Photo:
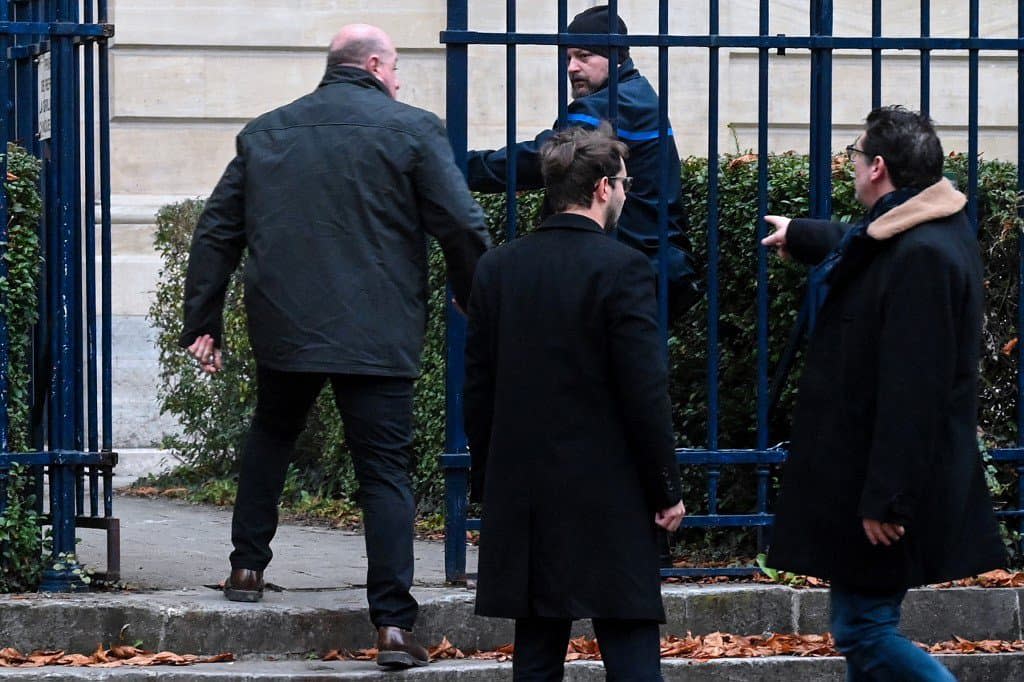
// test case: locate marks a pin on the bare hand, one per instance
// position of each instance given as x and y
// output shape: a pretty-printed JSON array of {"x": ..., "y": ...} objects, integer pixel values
[
  {"x": 670, "y": 518},
  {"x": 777, "y": 239},
  {"x": 881, "y": 532},
  {"x": 206, "y": 353}
]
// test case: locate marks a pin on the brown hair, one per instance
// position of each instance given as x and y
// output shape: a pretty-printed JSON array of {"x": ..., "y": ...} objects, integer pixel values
[{"x": 575, "y": 160}]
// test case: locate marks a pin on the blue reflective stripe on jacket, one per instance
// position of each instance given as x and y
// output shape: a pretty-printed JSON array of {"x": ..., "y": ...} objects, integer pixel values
[{"x": 634, "y": 135}]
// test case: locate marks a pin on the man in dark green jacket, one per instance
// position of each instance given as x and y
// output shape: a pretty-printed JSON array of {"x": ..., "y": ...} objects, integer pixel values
[
  {"x": 333, "y": 197},
  {"x": 884, "y": 487}
]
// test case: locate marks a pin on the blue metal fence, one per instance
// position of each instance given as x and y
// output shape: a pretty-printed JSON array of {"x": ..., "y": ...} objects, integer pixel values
[
  {"x": 821, "y": 43},
  {"x": 71, "y": 355}
]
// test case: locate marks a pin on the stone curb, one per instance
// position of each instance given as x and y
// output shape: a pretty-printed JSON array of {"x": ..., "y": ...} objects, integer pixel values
[
  {"x": 967, "y": 668},
  {"x": 296, "y": 622}
]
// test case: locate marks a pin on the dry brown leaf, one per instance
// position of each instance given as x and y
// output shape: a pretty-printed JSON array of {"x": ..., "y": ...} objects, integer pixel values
[
  {"x": 346, "y": 655},
  {"x": 124, "y": 651},
  {"x": 1010, "y": 345},
  {"x": 445, "y": 650},
  {"x": 100, "y": 655},
  {"x": 174, "y": 492},
  {"x": 46, "y": 657},
  {"x": 997, "y": 578},
  {"x": 742, "y": 161}
]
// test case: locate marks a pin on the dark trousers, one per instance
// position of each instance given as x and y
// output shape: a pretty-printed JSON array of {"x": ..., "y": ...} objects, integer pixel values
[
  {"x": 377, "y": 416},
  {"x": 630, "y": 649}
]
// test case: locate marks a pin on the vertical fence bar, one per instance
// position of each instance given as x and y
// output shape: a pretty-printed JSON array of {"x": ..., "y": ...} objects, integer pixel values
[
  {"x": 926, "y": 56},
  {"x": 89, "y": 130},
  {"x": 876, "y": 55},
  {"x": 821, "y": 113},
  {"x": 105, "y": 244},
  {"x": 41, "y": 340},
  {"x": 666, "y": 178},
  {"x": 457, "y": 479},
  {"x": 90, "y": 236},
  {"x": 24, "y": 69},
  {"x": 511, "y": 151},
  {"x": 613, "y": 66},
  {"x": 562, "y": 70},
  {"x": 762, "y": 266},
  {"x": 972, "y": 119},
  {"x": 713, "y": 257},
  {"x": 77, "y": 298},
  {"x": 6, "y": 111},
  {"x": 1020, "y": 268},
  {"x": 63, "y": 217}
]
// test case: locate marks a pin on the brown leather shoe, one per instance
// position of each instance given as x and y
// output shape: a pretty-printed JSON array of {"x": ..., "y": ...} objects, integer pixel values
[
  {"x": 244, "y": 584},
  {"x": 398, "y": 649}
]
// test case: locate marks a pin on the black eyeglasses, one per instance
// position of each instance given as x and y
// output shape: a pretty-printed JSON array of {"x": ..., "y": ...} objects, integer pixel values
[
  {"x": 627, "y": 181},
  {"x": 850, "y": 149}
]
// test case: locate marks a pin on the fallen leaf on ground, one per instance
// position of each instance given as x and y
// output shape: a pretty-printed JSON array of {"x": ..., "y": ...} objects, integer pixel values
[
  {"x": 996, "y": 578},
  {"x": 701, "y": 648},
  {"x": 105, "y": 658},
  {"x": 445, "y": 650}
]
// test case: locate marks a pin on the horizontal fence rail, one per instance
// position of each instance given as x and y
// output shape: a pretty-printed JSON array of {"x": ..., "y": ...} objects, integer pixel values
[{"x": 821, "y": 44}]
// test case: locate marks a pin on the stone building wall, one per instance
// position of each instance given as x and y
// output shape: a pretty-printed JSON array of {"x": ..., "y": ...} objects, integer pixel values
[{"x": 188, "y": 74}]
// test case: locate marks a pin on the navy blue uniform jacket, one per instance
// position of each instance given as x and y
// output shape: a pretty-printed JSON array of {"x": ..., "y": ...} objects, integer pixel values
[{"x": 637, "y": 126}]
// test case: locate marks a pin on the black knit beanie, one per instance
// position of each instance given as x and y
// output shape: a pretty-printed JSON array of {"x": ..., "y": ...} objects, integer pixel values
[{"x": 595, "y": 20}]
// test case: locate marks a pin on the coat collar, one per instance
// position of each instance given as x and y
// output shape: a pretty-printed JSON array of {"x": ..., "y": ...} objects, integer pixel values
[
  {"x": 937, "y": 201},
  {"x": 570, "y": 221},
  {"x": 351, "y": 74}
]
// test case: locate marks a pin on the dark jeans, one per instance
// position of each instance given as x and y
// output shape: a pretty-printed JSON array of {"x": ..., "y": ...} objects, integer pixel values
[
  {"x": 377, "y": 416},
  {"x": 866, "y": 630},
  {"x": 630, "y": 649}
]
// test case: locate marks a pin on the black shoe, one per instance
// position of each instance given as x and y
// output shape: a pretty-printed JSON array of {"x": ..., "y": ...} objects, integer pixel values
[
  {"x": 398, "y": 649},
  {"x": 244, "y": 584}
]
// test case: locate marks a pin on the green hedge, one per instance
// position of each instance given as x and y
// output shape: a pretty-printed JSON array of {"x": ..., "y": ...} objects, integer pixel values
[
  {"x": 21, "y": 543},
  {"x": 215, "y": 413}
]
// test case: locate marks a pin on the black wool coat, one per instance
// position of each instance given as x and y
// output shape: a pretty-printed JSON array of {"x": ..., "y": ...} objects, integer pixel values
[
  {"x": 885, "y": 426},
  {"x": 333, "y": 196},
  {"x": 569, "y": 424}
]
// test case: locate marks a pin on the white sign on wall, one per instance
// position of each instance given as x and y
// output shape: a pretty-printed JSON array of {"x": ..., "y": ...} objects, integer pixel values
[{"x": 44, "y": 96}]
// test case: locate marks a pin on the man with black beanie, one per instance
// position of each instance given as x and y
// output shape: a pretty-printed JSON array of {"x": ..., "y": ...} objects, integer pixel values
[{"x": 636, "y": 124}]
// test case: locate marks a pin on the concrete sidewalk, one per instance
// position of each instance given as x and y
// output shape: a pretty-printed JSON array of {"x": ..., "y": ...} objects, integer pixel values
[
  {"x": 174, "y": 554},
  {"x": 173, "y": 545}
]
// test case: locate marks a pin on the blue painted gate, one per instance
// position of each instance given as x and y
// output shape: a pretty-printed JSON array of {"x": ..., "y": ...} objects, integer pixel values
[
  {"x": 820, "y": 42},
  {"x": 54, "y": 57}
]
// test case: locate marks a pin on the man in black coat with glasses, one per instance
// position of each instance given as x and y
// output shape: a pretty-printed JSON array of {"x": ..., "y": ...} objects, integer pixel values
[{"x": 569, "y": 424}]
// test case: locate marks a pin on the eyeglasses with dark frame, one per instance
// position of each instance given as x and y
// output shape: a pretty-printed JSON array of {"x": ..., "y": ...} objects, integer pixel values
[
  {"x": 627, "y": 181},
  {"x": 850, "y": 149}
]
